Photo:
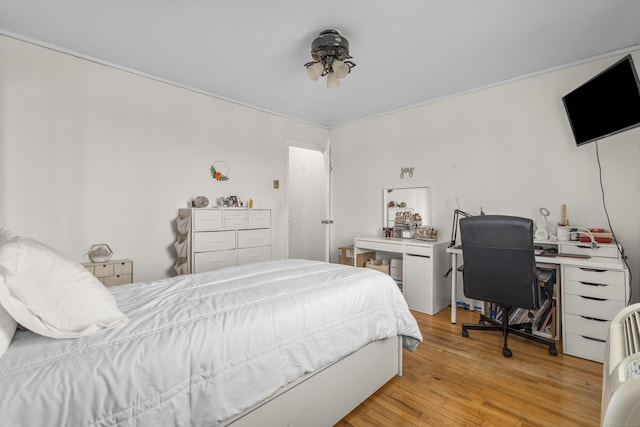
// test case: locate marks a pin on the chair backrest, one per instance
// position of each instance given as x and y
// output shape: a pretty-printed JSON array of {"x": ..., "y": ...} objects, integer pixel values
[{"x": 499, "y": 262}]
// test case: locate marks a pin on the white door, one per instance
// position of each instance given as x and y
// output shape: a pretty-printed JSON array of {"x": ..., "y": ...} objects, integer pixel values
[{"x": 308, "y": 204}]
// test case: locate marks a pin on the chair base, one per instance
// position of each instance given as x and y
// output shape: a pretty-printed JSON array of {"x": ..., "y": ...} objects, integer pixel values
[{"x": 521, "y": 329}]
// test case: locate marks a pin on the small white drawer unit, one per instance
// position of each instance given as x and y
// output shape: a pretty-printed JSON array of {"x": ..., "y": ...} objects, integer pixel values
[
  {"x": 591, "y": 298},
  {"x": 225, "y": 237},
  {"x": 113, "y": 272}
]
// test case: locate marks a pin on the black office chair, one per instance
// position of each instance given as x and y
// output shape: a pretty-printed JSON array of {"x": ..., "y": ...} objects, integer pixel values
[{"x": 499, "y": 267}]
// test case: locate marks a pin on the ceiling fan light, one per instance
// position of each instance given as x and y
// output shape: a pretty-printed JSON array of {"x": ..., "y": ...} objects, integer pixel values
[
  {"x": 340, "y": 69},
  {"x": 315, "y": 70},
  {"x": 332, "y": 80}
]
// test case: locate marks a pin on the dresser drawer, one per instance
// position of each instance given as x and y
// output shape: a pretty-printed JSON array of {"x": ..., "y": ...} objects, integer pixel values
[
  {"x": 207, "y": 261},
  {"x": 598, "y": 308},
  {"x": 605, "y": 277},
  {"x": 259, "y": 218},
  {"x": 123, "y": 267},
  {"x": 252, "y": 238},
  {"x": 206, "y": 241},
  {"x": 578, "y": 345},
  {"x": 118, "y": 279},
  {"x": 103, "y": 270},
  {"x": 259, "y": 254},
  {"x": 586, "y": 326},
  {"x": 207, "y": 219},
  {"x": 595, "y": 290},
  {"x": 236, "y": 218}
]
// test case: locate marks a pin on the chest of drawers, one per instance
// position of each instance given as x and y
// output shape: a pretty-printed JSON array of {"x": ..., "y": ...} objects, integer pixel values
[
  {"x": 591, "y": 297},
  {"x": 113, "y": 272},
  {"x": 218, "y": 238}
]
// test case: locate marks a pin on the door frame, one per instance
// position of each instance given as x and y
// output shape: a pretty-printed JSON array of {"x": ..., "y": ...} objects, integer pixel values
[{"x": 328, "y": 165}]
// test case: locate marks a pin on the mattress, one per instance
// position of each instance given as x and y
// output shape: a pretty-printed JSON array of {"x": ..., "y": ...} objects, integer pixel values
[{"x": 201, "y": 348}]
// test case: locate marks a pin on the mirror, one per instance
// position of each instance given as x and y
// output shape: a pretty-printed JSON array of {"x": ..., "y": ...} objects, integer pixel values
[{"x": 405, "y": 203}]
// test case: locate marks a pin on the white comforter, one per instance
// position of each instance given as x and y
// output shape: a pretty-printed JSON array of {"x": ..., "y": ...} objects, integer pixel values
[{"x": 201, "y": 348}]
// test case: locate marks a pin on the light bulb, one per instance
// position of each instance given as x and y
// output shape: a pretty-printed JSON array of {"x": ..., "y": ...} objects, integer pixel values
[
  {"x": 340, "y": 69},
  {"x": 332, "y": 80},
  {"x": 314, "y": 71}
]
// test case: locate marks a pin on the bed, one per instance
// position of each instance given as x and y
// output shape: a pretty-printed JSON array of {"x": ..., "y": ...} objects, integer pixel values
[{"x": 289, "y": 342}]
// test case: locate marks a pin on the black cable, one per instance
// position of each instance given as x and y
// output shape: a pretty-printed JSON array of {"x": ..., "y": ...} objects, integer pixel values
[{"x": 619, "y": 247}]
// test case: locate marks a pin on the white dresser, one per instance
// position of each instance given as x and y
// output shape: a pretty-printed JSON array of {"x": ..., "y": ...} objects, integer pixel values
[{"x": 217, "y": 238}]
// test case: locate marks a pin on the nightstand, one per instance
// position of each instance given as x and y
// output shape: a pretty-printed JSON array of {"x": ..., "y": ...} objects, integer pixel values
[{"x": 113, "y": 272}]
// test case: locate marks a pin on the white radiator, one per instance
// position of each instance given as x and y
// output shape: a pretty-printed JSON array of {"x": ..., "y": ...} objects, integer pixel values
[{"x": 621, "y": 370}]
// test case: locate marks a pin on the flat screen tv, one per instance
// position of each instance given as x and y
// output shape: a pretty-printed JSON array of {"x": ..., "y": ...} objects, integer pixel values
[{"x": 607, "y": 104}]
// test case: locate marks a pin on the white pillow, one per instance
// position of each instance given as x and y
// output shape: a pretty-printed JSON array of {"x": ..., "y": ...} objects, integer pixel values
[
  {"x": 7, "y": 330},
  {"x": 51, "y": 295}
]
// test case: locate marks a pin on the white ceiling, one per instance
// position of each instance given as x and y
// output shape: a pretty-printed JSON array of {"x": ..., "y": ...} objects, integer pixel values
[{"x": 408, "y": 52}]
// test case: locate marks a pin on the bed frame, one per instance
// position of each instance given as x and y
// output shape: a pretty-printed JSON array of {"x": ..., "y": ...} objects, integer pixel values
[{"x": 325, "y": 397}]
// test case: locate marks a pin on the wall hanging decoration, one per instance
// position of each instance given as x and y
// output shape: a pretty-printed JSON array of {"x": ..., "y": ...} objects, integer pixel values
[{"x": 220, "y": 171}]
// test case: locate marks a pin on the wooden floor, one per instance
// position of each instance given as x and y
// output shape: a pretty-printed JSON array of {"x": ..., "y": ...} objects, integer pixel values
[{"x": 456, "y": 381}]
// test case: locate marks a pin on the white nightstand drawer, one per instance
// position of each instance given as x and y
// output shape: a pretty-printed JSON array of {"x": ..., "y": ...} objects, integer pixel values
[
  {"x": 259, "y": 218},
  {"x": 252, "y": 238},
  {"x": 607, "y": 277},
  {"x": 581, "y": 346},
  {"x": 595, "y": 290},
  {"x": 589, "y": 327},
  {"x": 598, "y": 308},
  {"x": 207, "y": 261},
  {"x": 214, "y": 241},
  {"x": 207, "y": 219},
  {"x": 248, "y": 255}
]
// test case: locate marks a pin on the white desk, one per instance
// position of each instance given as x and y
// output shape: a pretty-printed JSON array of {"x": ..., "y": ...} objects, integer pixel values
[
  {"x": 593, "y": 290},
  {"x": 424, "y": 265}
]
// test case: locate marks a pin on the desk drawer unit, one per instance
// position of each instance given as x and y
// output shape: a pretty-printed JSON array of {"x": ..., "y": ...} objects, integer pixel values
[
  {"x": 606, "y": 251},
  {"x": 592, "y": 298}
]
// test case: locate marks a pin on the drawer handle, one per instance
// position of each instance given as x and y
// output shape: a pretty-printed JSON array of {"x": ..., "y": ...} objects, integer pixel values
[
  {"x": 593, "y": 318},
  {"x": 592, "y": 284},
  {"x": 593, "y": 298},
  {"x": 593, "y": 339},
  {"x": 595, "y": 270}
]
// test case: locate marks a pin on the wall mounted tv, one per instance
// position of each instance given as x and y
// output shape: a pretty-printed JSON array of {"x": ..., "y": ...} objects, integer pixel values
[{"x": 607, "y": 104}]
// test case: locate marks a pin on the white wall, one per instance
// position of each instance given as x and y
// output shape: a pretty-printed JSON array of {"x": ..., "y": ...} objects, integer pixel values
[
  {"x": 507, "y": 149},
  {"x": 92, "y": 154}
]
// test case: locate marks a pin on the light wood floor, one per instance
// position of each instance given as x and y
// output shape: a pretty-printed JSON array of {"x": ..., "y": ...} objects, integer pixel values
[{"x": 456, "y": 381}]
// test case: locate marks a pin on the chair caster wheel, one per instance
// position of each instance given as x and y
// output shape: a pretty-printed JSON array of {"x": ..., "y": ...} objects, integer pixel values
[
  {"x": 465, "y": 333},
  {"x": 506, "y": 352},
  {"x": 553, "y": 351}
]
